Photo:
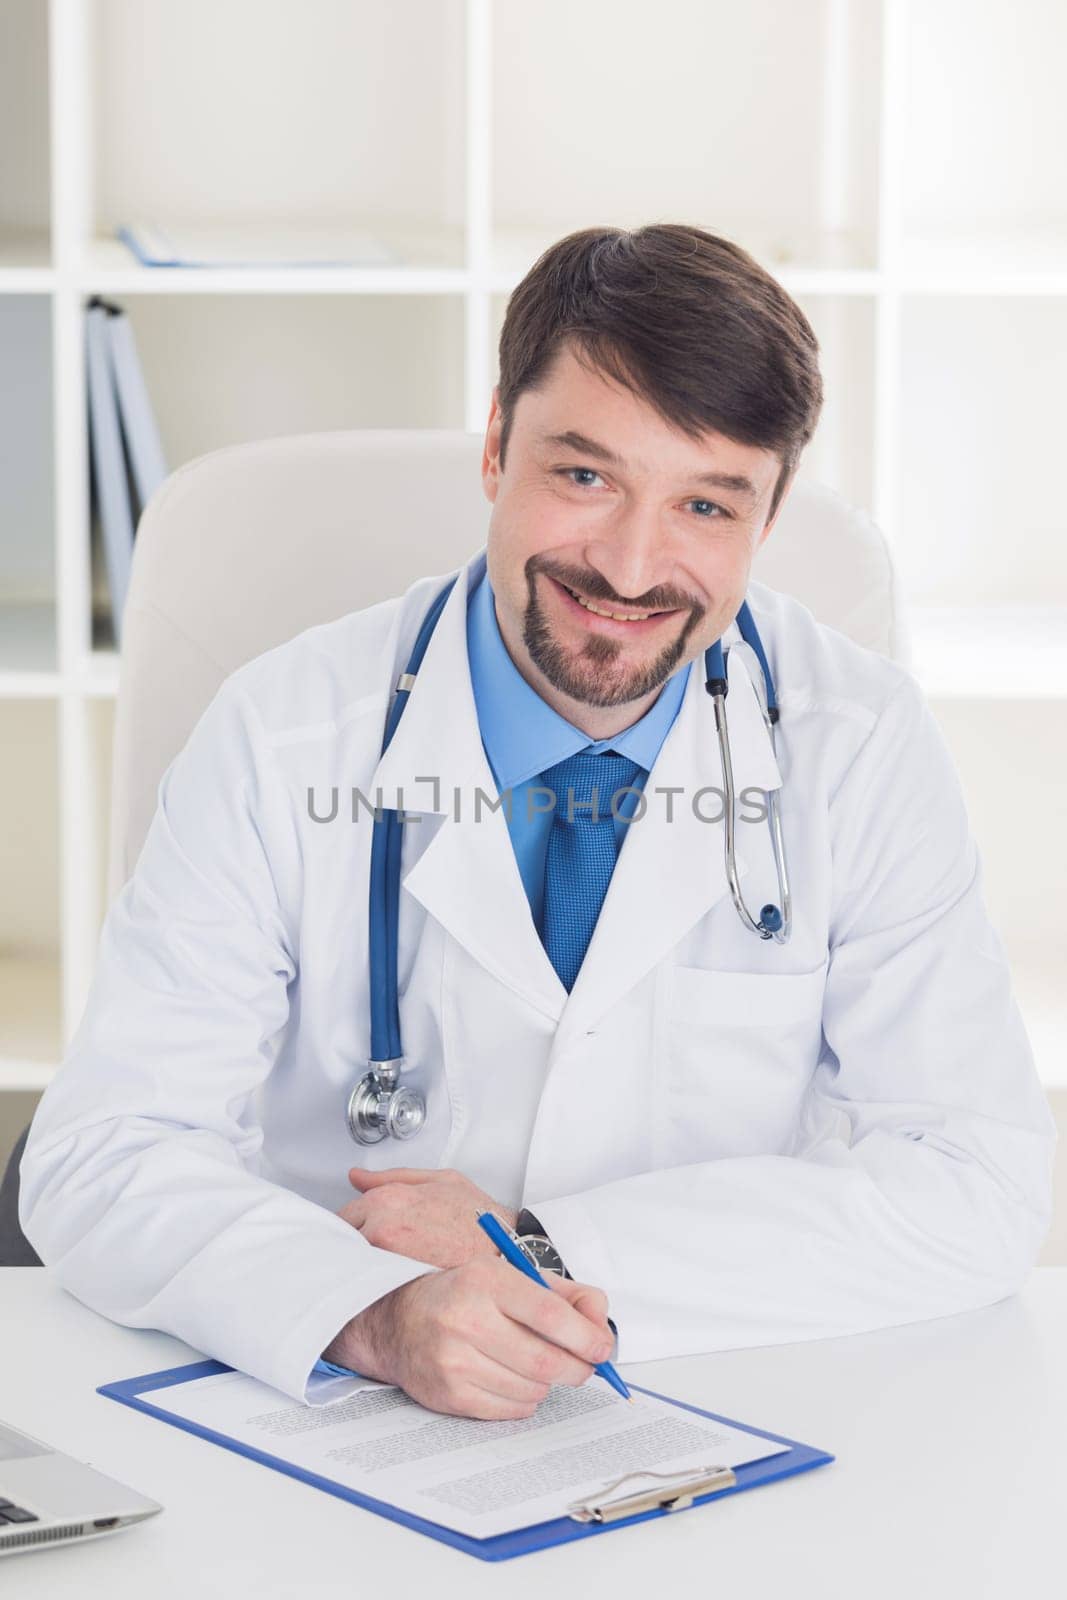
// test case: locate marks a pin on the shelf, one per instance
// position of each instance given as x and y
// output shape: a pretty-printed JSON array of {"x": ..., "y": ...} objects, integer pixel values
[
  {"x": 1027, "y": 260},
  {"x": 1010, "y": 653},
  {"x": 812, "y": 263},
  {"x": 981, "y": 138},
  {"x": 1039, "y": 990},
  {"x": 977, "y": 420},
  {"x": 30, "y": 1029},
  {"x": 24, "y": 247},
  {"x": 357, "y": 118},
  {"x": 224, "y": 370},
  {"x": 23, "y": 1076},
  {"x": 98, "y": 675},
  {"x": 30, "y": 928},
  {"x": 27, "y": 648},
  {"x": 601, "y": 127},
  {"x": 27, "y": 497},
  {"x": 25, "y": 261},
  {"x": 430, "y": 262}
]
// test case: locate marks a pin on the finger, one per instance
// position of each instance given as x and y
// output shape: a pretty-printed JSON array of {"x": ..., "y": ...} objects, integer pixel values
[
  {"x": 501, "y": 1381},
  {"x": 366, "y": 1178},
  {"x": 470, "y": 1400},
  {"x": 592, "y": 1303},
  {"x": 551, "y": 1316},
  {"x": 484, "y": 1407},
  {"x": 532, "y": 1357},
  {"x": 355, "y": 1212}
]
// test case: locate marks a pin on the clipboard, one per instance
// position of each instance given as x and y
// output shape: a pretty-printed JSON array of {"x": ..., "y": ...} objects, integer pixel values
[{"x": 616, "y": 1507}]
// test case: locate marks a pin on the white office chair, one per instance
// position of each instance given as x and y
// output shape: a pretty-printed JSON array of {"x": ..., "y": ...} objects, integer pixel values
[{"x": 245, "y": 547}]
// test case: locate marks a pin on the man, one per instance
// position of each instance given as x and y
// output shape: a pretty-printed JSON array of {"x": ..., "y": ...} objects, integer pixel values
[{"x": 726, "y": 1140}]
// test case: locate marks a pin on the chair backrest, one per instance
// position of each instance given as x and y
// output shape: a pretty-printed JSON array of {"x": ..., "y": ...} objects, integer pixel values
[{"x": 244, "y": 547}]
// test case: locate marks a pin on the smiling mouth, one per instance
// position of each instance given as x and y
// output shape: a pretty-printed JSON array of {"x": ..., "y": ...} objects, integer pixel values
[{"x": 603, "y": 610}]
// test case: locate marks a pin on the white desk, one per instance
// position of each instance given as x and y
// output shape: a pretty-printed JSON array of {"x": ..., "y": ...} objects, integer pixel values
[{"x": 951, "y": 1477}]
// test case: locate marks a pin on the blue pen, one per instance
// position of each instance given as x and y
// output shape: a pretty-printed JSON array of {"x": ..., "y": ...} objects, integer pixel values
[{"x": 518, "y": 1258}]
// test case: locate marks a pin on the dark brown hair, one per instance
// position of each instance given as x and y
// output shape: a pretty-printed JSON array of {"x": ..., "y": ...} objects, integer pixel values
[{"x": 684, "y": 319}]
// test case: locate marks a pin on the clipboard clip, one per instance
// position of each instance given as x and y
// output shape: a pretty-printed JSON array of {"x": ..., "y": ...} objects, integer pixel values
[{"x": 684, "y": 1488}]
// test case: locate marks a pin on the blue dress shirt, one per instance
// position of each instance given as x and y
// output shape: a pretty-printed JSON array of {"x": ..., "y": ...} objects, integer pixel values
[{"x": 523, "y": 736}]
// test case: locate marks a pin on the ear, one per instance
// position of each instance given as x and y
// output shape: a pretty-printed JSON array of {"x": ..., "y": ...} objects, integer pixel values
[{"x": 491, "y": 450}]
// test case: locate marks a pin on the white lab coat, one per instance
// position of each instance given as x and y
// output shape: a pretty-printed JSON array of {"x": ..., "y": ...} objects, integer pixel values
[{"x": 742, "y": 1143}]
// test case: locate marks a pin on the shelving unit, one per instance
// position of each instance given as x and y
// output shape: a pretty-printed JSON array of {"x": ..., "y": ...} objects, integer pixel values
[{"x": 849, "y": 144}]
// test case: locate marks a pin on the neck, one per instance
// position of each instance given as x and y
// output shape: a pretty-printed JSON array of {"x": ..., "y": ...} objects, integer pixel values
[{"x": 598, "y": 722}]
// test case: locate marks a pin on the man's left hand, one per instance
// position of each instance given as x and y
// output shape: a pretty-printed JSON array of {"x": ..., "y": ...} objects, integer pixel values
[{"x": 427, "y": 1215}]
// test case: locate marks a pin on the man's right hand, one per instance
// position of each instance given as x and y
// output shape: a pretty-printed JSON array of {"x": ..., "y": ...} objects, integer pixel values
[{"x": 479, "y": 1340}]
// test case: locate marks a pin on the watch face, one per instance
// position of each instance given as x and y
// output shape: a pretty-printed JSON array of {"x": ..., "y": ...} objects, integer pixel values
[{"x": 542, "y": 1252}]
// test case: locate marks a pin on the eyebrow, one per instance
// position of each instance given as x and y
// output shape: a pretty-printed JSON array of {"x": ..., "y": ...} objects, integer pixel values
[{"x": 715, "y": 480}]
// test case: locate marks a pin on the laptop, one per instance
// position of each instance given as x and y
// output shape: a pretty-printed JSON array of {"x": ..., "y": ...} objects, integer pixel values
[{"x": 49, "y": 1498}]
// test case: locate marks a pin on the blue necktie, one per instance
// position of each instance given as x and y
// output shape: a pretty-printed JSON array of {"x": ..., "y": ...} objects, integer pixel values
[{"x": 581, "y": 852}]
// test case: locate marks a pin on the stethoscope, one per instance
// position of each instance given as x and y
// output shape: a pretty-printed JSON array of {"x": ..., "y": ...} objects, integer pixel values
[{"x": 380, "y": 1107}]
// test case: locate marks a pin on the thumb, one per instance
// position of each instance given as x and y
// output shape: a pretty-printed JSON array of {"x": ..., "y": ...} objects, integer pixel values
[{"x": 365, "y": 1177}]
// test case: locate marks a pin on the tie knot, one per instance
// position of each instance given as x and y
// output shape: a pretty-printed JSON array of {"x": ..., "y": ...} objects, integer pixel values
[{"x": 585, "y": 783}]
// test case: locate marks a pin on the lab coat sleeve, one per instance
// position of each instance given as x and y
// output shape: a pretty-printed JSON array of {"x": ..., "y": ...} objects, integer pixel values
[
  {"x": 138, "y": 1183},
  {"x": 919, "y": 1181}
]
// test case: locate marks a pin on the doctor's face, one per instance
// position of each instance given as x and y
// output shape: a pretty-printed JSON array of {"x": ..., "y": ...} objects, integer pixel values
[{"x": 618, "y": 547}]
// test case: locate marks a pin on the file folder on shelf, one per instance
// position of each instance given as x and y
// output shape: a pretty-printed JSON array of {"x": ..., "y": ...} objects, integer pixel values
[
  {"x": 127, "y": 464},
  {"x": 140, "y": 431},
  {"x": 254, "y": 244},
  {"x": 615, "y": 1507},
  {"x": 110, "y": 486}
]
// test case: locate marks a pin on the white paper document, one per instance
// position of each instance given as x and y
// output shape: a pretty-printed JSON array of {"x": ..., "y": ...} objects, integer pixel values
[{"x": 475, "y": 1477}]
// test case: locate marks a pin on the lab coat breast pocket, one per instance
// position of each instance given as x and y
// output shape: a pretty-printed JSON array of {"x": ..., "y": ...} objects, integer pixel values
[{"x": 736, "y": 1051}]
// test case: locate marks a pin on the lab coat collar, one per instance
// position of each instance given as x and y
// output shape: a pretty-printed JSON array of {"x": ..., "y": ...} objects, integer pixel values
[{"x": 668, "y": 875}]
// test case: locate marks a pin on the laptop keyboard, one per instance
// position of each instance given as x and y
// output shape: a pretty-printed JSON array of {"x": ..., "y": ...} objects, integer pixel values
[{"x": 10, "y": 1512}]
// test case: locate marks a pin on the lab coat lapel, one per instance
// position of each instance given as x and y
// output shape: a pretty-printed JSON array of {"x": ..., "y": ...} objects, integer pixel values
[
  {"x": 465, "y": 874},
  {"x": 670, "y": 873}
]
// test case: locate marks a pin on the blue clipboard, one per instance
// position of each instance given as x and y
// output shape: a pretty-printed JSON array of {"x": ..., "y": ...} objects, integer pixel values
[{"x": 501, "y": 1546}]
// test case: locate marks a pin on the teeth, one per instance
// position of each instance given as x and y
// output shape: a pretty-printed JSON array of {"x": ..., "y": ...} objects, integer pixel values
[{"x": 618, "y": 616}]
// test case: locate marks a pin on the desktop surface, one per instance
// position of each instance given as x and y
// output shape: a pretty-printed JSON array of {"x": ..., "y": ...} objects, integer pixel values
[{"x": 949, "y": 1478}]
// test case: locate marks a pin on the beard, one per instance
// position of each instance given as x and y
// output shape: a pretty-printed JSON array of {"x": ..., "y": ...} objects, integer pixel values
[{"x": 594, "y": 676}]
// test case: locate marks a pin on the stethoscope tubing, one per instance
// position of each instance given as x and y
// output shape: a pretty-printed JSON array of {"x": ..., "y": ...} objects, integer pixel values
[{"x": 383, "y": 906}]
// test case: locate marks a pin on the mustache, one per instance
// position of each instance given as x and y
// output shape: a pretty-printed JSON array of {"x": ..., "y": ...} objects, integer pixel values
[{"x": 593, "y": 587}]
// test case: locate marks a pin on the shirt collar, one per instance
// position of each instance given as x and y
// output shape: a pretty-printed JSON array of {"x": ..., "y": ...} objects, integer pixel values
[{"x": 521, "y": 733}]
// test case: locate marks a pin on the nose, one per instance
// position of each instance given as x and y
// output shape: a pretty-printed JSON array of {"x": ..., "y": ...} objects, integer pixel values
[{"x": 631, "y": 558}]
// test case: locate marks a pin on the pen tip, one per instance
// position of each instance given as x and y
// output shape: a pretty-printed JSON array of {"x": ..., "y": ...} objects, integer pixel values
[{"x": 630, "y": 1399}]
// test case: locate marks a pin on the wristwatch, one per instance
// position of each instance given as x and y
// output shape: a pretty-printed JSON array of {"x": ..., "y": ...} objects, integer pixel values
[{"x": 537, "y": 1246}]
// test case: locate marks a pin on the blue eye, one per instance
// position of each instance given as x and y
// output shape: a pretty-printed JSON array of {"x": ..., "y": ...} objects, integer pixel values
[{"x": 568, "y": 472}]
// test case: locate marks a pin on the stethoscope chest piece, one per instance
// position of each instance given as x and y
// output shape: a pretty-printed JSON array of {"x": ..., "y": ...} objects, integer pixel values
[{"x": 379, "y": 1107}]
